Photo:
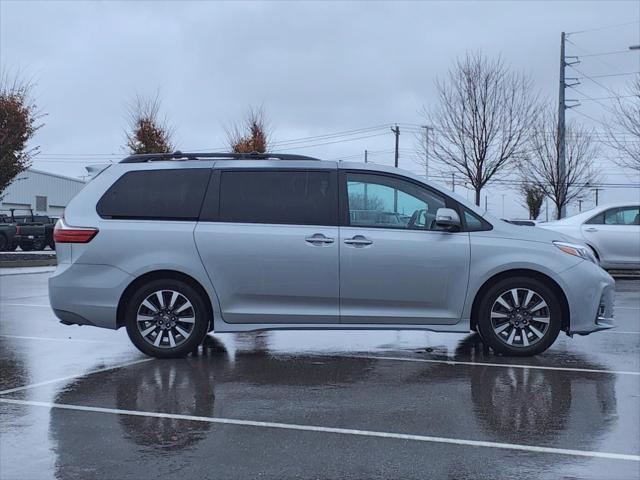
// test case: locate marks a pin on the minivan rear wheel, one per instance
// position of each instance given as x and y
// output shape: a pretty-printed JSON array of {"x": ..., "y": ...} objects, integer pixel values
[
  {"x": 166, "y": 318},
  {"x": 519, "y": 316}
]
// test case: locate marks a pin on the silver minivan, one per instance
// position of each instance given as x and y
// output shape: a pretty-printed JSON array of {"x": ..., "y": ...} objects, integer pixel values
[{"x": 173, "y": 246}]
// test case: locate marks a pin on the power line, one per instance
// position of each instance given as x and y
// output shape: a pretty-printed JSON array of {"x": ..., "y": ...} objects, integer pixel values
[
  {"x": 334, "y": 142},
  {"x": 615, "y": 74},
  {"x": 603, "y": 54},
  {"x": 587, "y": 53},
  {"x": 331, "y": 135},
  {"x": 598, "y": 29},
  {"x": 595, "y": 81},
  {"x": 608, "y": 98}
]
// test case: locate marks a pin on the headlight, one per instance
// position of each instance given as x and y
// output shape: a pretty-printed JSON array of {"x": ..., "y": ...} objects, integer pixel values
[{"x": 576, "y": 250}]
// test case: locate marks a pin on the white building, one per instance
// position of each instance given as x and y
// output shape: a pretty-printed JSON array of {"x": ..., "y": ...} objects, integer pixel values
[{"x": 44, "y": 192}]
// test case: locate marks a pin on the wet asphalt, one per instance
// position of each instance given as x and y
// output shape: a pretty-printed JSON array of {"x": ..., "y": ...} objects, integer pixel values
[{"x": 313, "y": 405}]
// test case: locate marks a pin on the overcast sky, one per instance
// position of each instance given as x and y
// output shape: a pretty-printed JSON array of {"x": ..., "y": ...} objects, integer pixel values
[{"x": 316, "y": 67}]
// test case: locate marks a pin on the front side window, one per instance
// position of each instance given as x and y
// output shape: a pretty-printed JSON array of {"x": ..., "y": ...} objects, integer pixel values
[
  {"x": 617, "y": 216},
  {"x": 622, "y": 216},
  {"x": 382, "y": 201},
  {"x": 170, "y": 194},
  {"x": 295, "y": 197},
  {"x": 473, "y": 222}
]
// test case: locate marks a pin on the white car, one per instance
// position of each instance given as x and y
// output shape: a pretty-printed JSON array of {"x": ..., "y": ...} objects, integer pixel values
[{"x": 612, "y": 231}]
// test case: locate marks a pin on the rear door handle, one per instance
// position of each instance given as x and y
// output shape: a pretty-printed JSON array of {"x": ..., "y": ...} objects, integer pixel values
[
  {"x": 358, "y": 241},
  {"x": 591, "y": 229},
  {"x": 318, "y": 239}
]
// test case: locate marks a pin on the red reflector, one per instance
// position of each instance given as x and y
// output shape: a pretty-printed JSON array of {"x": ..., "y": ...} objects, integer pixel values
[{"x": 73, "y": 235}]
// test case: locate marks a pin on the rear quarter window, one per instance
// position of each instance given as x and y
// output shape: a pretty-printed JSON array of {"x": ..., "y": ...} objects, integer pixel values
[{"x": 174, "y": 194}]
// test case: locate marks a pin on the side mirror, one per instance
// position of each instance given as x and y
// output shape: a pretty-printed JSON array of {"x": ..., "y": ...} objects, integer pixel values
[{"x": 448, "y": 219}]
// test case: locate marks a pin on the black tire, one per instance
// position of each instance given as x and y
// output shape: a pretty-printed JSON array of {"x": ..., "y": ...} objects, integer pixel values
[
  {"x": 4, "y": 243},
  {"x": 27, "y": 247},
  {"x": 199, "y": 313},
  {"x": 52, "y": 245},
  {"x": 526, "y": 322}
]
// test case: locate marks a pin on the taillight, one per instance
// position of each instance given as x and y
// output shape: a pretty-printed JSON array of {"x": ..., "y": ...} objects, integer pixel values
[
  {"x": 18, "y": 230},
  {"x": 63, "y": 233}
]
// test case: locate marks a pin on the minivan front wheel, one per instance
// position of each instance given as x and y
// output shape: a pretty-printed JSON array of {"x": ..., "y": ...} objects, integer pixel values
[
  {"x": 166, "y": 318},
  {"x": 519, "y": 316}
]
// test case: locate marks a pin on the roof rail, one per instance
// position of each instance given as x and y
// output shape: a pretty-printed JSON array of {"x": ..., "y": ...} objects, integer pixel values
[{"x": 178, "y": 155}]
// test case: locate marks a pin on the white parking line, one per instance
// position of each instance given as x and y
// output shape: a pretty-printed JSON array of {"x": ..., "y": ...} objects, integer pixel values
[
  {"x": 58, "y": 339},
  {"x": 341, "y": 431},
  {"x": 486, "y": 364},
  {"x": 619, "y": 331},
  {"x": 79, "y": 375},
  {"x": 25, "y": 305}
]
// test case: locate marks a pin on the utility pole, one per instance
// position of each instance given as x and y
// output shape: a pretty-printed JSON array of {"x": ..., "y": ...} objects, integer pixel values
[
  {"x": 453, "y": 182},
  {"x": 562, "y": 167},
  {"x": 546, "y": 207},
  {"x": 597, "y": 190},
  {"x": 427, "y": 128},
  {"x": 396, "y": 131},
  {"x": 503, "y": 205},
  {"x": 366, "y": 154},
  {"x": 486, "y": 205},
  {"x": 580, "y": 205},
  {"x": 562, "y": 107}
]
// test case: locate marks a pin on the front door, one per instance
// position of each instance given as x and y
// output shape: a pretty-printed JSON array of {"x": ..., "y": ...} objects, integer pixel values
[
  {"x": 615, "y": 234},
  {"x": 395, "y": 265},
  {"x": 271, "y": 250}
]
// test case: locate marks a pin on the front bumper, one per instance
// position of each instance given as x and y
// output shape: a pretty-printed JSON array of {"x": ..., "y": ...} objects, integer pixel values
[{"x": 590, "y": 293}]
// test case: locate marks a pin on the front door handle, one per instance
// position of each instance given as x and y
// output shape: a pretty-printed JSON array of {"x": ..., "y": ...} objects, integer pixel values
[
  {"x": 358, "y": 241},
  {"x": 318, "y": 239},
  {"x": 591, "y": 229}
]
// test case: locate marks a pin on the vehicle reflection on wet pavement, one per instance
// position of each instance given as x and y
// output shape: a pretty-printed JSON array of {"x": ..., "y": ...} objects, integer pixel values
[{"x": 583, "y": 394}]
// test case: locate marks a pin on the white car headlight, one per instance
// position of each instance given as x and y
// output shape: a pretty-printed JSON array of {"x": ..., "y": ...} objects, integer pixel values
[{"x": 577, "y": 250}]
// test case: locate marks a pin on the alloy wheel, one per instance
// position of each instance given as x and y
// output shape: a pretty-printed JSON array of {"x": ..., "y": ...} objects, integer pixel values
[
  {"x": 166, "y": 319},
  {"x": 520, "y": 317}
]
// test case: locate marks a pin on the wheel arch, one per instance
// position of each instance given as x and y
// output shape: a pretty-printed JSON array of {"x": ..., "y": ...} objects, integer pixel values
[
  {"x": 159, "y": 275},
  {"x": 593, "y": 249},
  {"x": 550, "y": 282}
]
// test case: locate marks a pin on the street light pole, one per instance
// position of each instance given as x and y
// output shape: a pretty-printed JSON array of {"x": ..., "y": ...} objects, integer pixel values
[
  {"x": 396, "y": 132},
  {"x": 427, "y": 128}
]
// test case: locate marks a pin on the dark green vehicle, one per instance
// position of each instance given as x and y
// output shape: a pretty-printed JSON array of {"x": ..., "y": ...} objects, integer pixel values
[
  {"x": 30, "y": 233},
  {"x": 48, "y": 222},
  {"x": 8, "y": 234}
]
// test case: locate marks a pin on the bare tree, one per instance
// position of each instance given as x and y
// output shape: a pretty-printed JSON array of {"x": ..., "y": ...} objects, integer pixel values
[
  {"x": 533, "y": 196},
  {"x": 252, "y": 135},
  {"x": 542, "y": 166},
  {"x": 483, "y": 119},
  {"x": 19, "y": 121},
  {"x": 147, "y": 133},
  {"x": 624, "y": 128}
]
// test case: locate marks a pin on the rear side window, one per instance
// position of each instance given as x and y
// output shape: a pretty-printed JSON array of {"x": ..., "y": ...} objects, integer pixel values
[
  {"x": 156, "y": 195},
  {"x": 279, "y": 197}
]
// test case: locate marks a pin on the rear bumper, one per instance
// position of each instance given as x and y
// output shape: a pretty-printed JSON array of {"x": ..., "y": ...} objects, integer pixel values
[
  {"x": 87, "y": 294},
  {"x": 590, "y": 293}
]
